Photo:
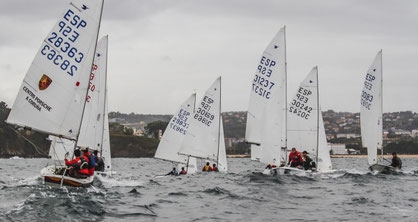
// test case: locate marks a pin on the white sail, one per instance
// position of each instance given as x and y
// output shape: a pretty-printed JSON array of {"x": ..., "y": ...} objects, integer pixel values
[
  {"x": 52, "y": 96},
  {"x": 204, "y": 136},
  {"x": 60, "y": 147},
  {"x": 95, "y": 123},
  {"x": 305, "y": 125},
  {"x": 255, "y": 152},
  {"x": 101, "y": 124},
  {"x": 266, "y": 117},
  {"x": 324, "y": 158},
  {"x": 222, "y": 159},
  {"x": 105, "y": 151},
  {"x": 94, "y": 113},
  {"x": 174, "y": 134},
  {"x": 371, "y": 110}
]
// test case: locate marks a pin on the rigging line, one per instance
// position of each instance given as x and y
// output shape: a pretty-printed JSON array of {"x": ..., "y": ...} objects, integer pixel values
[{"x": 30, "y": 142}]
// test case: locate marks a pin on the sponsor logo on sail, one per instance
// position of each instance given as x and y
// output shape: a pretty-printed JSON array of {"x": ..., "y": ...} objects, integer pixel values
[{"x": 44, "y": 82}]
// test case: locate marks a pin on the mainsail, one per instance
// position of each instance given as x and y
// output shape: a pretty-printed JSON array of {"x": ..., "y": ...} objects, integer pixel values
[
  {"x": 305, "y": 125},
  {"x": 52, "y": 95},
  {"x": 266, "y": 117},
  {"x": 371, "y": 110},
  {"x": 204, "y": 137},
  {"x": 175, "y": 133}
]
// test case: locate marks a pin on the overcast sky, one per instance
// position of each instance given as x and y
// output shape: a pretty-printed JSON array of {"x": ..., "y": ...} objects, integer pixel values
[{"x": 162, "y": 51}]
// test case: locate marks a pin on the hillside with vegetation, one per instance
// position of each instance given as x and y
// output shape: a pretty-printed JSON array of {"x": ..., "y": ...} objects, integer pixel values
[{"x": 136, "y": 135}]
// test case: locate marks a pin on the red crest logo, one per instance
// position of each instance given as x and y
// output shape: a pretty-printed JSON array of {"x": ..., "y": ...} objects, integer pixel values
[{"x": 44, "y": 82}]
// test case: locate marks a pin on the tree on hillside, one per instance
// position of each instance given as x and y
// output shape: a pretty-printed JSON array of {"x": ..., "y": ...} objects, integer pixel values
[
  {"x": 118, "y": 129},
  {"x": 151, "y": 129}
]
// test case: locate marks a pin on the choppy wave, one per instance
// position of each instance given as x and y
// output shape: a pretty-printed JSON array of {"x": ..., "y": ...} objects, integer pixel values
[{"x": 350, "y": 193}]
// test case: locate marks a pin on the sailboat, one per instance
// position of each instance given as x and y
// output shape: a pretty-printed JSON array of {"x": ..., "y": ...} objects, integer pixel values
[
  {"x": 95, "y": 125},
  {"x": 174, "y": 135},
  {"x": 94, "y": 131},
  {"x": 267, "y": 111},
  {"x": 53, "y": 94},
  {"x": 204, "y": 138},
  {"x": 305, "y": 128},
  {"x": 371, "y": 111}
]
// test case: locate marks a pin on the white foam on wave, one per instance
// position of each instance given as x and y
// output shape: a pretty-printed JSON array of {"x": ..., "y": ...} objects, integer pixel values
[
  {"x": 29, "y": 180},
  {"x": 111, "y": 181}
]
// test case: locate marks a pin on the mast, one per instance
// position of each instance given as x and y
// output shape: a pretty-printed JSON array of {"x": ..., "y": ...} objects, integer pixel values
[
  {"x": 285, "y": 99},
  {"x": 317, "y": 116},
  {"x": 220, "y": 119},
  {"x": 91, "y": 65},
  {"x": 381, "y": 108}
]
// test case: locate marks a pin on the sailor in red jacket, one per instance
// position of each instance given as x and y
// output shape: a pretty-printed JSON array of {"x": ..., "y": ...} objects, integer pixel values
[
  {"x": 87, "y": 154},
  {"x": 295, "y": 158},
  {"x": 183, "y": 171},
  {"x": 215, "y": 168},
  {"x": 78, "y": 165}
]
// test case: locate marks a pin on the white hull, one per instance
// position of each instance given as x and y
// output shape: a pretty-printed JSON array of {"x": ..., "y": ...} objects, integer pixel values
[
  {"x": 286, "y": 171},
  {"x": 379, "y": 168},
  {"x": 50, "y": 175}
]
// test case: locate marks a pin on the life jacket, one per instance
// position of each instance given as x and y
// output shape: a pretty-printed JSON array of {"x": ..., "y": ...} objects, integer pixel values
[
  {"x": 83, "y": 164},
  {"x": 91, "y": 160},
  {"x": 206, "y": 168},
  {"x": 83, "y": 167}
]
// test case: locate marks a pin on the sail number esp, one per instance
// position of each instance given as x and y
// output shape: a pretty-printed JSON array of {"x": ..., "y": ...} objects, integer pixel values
[
  {"x": 366, "y": 96},
  {"x": 179, "y": 122},
  {"x": 203, "y": 113},
  {"x": 59, "y": 45},
  {"x": 262, "y": 84},
  {"x": 299, "y": 105}
]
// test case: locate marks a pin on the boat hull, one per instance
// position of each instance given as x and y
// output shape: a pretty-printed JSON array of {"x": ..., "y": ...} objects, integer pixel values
[
  {"x": 51, "y": 177},
  {"x": 286, "y": 171},
  {"x": 379, "y": 168}
]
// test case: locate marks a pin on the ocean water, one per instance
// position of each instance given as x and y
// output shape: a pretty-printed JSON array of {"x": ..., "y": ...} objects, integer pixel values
[{"x": 244, "y": 194}]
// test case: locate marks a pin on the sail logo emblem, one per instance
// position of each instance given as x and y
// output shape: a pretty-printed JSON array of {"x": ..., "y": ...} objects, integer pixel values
[{"x": 44, "y": 82}]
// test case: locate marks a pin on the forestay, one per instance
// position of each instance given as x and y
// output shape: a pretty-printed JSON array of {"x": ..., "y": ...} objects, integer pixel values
[
  {"x": 266, "y": 118},
  {"x": 52, "y": 95},
  {"x": 371, "y": 110}
]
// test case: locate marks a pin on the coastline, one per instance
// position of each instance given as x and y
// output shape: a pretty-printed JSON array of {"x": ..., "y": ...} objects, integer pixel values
[{"x": 386, "y": 156}]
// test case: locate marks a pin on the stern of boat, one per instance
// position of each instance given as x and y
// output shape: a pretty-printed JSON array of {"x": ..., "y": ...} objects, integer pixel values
[{"x": 57, "y": 175}]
